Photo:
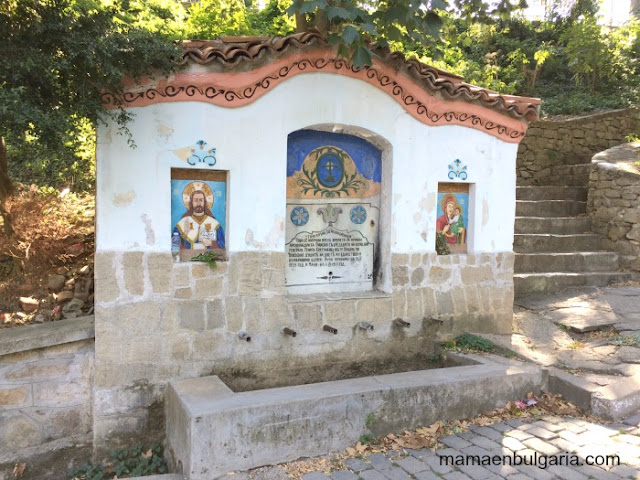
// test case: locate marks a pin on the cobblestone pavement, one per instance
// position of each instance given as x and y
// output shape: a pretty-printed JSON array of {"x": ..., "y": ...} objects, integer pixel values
[{"x": 562, "y": 440}]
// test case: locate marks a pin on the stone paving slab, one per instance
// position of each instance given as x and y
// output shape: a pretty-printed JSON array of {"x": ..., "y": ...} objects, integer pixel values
[{"x": 551, "y": 438}]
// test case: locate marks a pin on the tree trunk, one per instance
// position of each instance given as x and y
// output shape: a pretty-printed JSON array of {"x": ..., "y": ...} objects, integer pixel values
[
  {"x": 302, "y": 25},
  {"x": 635, "y": 9},
  {"x": 6, "y": 189}
]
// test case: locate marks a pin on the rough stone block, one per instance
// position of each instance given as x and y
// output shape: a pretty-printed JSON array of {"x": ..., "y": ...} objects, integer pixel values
[
  {"x": 181, "y": 275},
  {"x": 400, "y": 259},
  {"x": 444, "y": 303},
  {"x": 439, "y": 275},
  {"x": 60, "y": 394},
  {"x": 307, "y": 316},
  {"x": 38, "y": 371},
  {"x": 340, "y": 313},
  {"x": 398, "y": 303},
  {"x": 414, "y": 304},
  {"x": 400, "y": 275},
  {"x": 215, "y": 314},
  {"x": 208, "y": 287},
  {"x": 253, "y": 315},
  {"x": 191, "y": 315},
  {"x": 21, "y": 430},
  {"x": 234, "y": 316},
  {"x": 160, "y": 266},
  {"x": 475, "y": 275},
  {"x": 274, "y": 281},
  {"x": 374, "y": 310},
  {"x": 276, "y": 312},
  {"x": 13, "y": 396},
  {"x": 233, "y": 271},
  {"x": 417, "y": 276},
  {"x": 429, "y": 305},
  {"x": 250, "y": 277},
  {"x": 133, "y": 272},
  {"x": 106, "y": 283},
  {"x": 181, "y": 347},
  {"x": 183, "y": 293}
]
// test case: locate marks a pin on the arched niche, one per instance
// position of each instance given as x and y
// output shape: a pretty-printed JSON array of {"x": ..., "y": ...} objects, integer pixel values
[{"x": 337, "y": 234}]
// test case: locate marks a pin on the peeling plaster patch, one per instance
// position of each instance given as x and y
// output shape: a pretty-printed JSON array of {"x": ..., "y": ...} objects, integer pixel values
[
  {"x": 431, "y": 202},
  {"x": 248, "y": 238},
  {"x": 416, "y": 217},
  {"x": 485, "y": 212},
  {"x": 123, "y": 199},
  {"x": 424, "y": 236},
  {"x": 164, "y": 130},
  {"x": 148, "y": 230},
  {"x": 276, "y": 232}
]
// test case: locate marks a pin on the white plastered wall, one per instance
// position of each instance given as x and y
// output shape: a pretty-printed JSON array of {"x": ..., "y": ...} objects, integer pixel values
[{"x": 133, "y": 189}]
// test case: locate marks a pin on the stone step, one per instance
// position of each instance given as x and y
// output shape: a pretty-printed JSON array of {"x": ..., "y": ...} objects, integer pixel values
[
  {"x": 570, "y": 175},
  {"x": 553, "y": 192},
  {"x": 541, "y": 243},
  {"x": 566, "y": 262},
  {"x": 529, "y": 283},
  {"x": 549, "y": 208},
  {"x": 558, "y": 225}
]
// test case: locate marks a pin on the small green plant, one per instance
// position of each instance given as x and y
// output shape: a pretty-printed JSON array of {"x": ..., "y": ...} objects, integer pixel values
[
  {"x": 370, "y": 421},
  {"x": 209, "y": 258},
  {"x": 435, "y": 357},
  {"x": 366, "y": 439},
  {"x": 633, "y": 137},
  {"x": 575, "y": 345},
  {"x": 469, "y": 342},
  {"x": 135, "y": 462}
]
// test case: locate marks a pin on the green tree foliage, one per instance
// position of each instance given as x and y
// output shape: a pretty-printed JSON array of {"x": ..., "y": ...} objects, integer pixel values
[
  {"x": 58, "y": 57},
  {"x": 210, "y": 19},
  {"x": 352, "y": 25}
]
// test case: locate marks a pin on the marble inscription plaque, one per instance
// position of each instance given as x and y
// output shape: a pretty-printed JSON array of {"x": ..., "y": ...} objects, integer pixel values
[{"x": 336, "y": 256}]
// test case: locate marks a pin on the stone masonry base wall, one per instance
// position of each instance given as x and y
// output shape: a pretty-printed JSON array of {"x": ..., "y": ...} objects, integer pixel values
[
  {"x": 157, "y": 321},
  {"x": 614, "y": 201},
  {"x": 550, "y": 142},
  {"x": 45, "y": 402}
]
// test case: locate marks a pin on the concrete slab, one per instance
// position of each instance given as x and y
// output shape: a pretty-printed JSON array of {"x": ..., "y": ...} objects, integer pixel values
[{"x": 211, "y": 431}]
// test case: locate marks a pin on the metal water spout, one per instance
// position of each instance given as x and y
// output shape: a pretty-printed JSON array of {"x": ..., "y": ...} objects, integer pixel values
[
  {"x": 401, "y": 323},
  {"x": 329, "y": 329},
  {"x": 244, "y": 336},
  {"x": 365, "y": 326},
  {"x": 288, "y": 331}
]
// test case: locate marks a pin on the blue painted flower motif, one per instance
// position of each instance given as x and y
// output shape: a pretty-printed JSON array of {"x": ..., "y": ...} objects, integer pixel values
[
  {"x": 358, "y": 215},
  {"x": 457, "y": 170},
  {"x": 299, "y": 216}
]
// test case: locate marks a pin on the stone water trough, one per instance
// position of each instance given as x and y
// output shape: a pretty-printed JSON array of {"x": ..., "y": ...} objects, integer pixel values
[{"x": 212, "y": 430}]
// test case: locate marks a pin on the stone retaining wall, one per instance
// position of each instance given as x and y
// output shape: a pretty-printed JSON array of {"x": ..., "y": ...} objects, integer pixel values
[
  {"x": 46, "y": 375},
  {"x": 614, "y": 201},
  {"x": 559, "y": 142},
  {"x": 157, "y": 321}
]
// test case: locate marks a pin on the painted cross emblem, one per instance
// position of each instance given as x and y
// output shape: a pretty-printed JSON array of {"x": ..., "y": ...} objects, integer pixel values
[
  {"x": 330, "y": 214},
  {"x": 299, "y": 216},
  {"x": 330, "y": 170}
]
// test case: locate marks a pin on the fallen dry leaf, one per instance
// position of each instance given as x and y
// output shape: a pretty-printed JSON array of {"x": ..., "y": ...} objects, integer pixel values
[{"x": 18, "y": 469}]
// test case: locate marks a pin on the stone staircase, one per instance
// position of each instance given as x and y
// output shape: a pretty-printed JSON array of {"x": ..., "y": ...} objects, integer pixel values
[{"x": 554, "y": 245}]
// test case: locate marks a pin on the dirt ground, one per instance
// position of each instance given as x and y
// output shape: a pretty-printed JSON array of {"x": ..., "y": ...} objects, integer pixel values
[{"x": 53, "y": 236}]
